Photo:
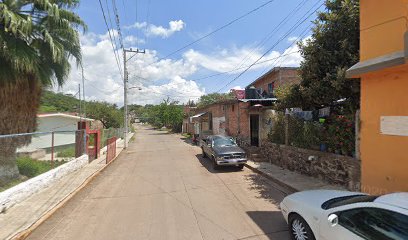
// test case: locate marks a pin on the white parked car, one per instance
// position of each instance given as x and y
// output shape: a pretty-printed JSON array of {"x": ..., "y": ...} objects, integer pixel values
[{"x": 342, "y": 215}]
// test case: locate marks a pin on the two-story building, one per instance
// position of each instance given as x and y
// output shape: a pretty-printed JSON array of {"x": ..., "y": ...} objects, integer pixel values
[
  {"x": 250, "y": 118},
  {"x": 383, "y": 70}
]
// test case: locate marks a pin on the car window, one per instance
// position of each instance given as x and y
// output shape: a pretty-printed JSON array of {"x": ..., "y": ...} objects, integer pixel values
[
  {"x": 341, "y": 201},
  {"x": 220, "y": 141},
  {"x": 375, "y": 223}
]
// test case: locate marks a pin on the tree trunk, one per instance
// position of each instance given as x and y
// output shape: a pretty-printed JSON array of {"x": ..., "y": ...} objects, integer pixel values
[
  {"x": 8, "y": 166},
  {"x": 19, "y": 102}
]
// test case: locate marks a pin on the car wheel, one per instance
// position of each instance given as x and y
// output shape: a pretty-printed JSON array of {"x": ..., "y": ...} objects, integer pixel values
[
  {"x": 204, "y": 155},
  {"x": 241, "y": 166},
  {"x": 299, "y": 229},
  {"x": 215, "y": 165}
]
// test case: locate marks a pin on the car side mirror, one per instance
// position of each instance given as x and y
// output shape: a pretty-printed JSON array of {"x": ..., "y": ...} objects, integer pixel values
[{"x": 333, "y": 220}]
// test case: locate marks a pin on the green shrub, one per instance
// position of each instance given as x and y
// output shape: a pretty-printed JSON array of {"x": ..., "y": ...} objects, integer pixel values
[
  {"x": 277, "y": 133},
  {"x": 67, "y": 153},
  {"x": 30, "y": 167}
]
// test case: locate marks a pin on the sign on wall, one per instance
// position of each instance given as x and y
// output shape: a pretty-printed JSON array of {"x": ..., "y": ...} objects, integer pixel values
[{"x": 394, "y": 125}]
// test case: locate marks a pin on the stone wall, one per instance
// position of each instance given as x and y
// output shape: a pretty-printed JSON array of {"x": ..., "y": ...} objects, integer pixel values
[{"x": 333, "y": 168}]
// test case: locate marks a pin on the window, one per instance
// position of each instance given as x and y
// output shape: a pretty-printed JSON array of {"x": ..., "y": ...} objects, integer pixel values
[
  {"x": 341, "y": 201},
  {"x": 271, "y": 87},
  {"x": 222, "y": 141},
  {"x": 232, "y": 108},
  {"x": 375, "y": 223}
]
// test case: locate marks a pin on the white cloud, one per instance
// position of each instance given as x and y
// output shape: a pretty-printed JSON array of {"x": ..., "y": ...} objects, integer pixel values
[
  {"x": 237, "y": 88},
  {"x": 228, "y": 60},
  {"x": 159, "y": 31},
  {"x": 178, "y": 89},
  {"x": 132, "y": 40},
  {"x": 292, "y": 39},
  {"x": 159, "y": 78},
  {"x": 104, "y": 83}
]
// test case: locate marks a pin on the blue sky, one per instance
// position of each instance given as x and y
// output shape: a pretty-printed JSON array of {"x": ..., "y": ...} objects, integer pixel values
[{"x": 161, "y": 27}]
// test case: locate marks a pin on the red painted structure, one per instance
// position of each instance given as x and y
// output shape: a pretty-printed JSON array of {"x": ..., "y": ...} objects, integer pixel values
[
  {"x": 110, "y": 149},
  {"x": 92, "y": 148}
]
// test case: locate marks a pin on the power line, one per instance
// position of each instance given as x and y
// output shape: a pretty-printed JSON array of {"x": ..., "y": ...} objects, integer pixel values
[
  {"x": 271, "y": 33},
  {"x": 111, "y": 26},
  {"x": 294, "y": 27},
  {"x": 110, "y": 38},
  {"x": 216, "y": 30},
  {"x": 115, "y": 10},
  {"x": 242, "y": 67},
  {"x": 302, "y": 35}
]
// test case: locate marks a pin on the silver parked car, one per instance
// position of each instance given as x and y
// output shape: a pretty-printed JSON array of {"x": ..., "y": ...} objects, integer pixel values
[{"x": 223, "y": 151}]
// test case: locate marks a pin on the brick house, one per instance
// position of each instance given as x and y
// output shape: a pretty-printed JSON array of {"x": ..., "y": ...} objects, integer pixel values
[
  {"x": 275, "y": 78},
  {"x": 188, "y": 125},
  {"x": 248, "y": 119}
]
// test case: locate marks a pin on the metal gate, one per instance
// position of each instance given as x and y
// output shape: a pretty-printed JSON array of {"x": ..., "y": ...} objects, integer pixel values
[{"x": 110, "y": 149}]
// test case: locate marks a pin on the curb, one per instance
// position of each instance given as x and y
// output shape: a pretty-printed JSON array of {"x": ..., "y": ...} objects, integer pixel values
[
  {"x": 25, "y": 233},
  {"x": 287, "y": 189}
]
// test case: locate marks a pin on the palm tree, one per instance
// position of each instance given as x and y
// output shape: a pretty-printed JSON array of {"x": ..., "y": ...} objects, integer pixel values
[{"x": 37, "y": 40}]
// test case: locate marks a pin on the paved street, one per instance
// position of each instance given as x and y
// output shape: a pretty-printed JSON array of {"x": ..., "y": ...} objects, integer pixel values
[{"x": 162, "y": 188}]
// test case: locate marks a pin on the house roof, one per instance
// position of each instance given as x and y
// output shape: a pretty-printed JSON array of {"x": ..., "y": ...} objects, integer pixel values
[
  {"x": 275, "y": 69},
  {"x": 45, "y": 115},
  {"x": 258, "y": 100}
]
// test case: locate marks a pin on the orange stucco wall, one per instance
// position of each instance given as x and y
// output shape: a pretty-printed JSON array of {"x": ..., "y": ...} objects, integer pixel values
[
  {"x": 382, "y": 27},
  {"x": 384, "y": 158}
]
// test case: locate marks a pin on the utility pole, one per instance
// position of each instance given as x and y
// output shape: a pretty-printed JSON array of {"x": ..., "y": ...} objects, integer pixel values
[
  {"x": 125, "y": 80},
  {"x": 80, "y": 103},
  {"x": 83, "y": 91}
]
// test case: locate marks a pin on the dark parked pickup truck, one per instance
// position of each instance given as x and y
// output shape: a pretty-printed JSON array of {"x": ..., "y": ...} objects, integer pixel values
[{"x": 223, "y": 151}]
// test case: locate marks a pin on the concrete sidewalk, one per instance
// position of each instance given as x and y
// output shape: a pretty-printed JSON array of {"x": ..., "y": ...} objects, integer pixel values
[
  {"x": 289, "y": 181},
  {"x": 23, "y": 215}
]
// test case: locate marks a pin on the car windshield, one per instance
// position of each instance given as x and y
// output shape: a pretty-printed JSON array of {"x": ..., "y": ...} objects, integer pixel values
[
  {"x": 341, "y": 201},
  {"x": 221, "y": 141}
]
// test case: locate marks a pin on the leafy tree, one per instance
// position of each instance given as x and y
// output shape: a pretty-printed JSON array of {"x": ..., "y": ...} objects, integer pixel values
[
  {"x": 37, "y": 39},
  {"x": 166, "y": 114},
  {"x": 331, "y": 50},
  {"x": 213, "y": 98},
  {"x": 58, "y": 102},
  {"x": 107, "y": 113}
]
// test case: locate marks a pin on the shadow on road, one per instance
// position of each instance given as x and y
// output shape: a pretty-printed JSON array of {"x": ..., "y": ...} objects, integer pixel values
[
  {"x": 265, "y": 188},
  {"x": 271, "y": 223},
  {"x": 207, "y": 163},
  {"x": 188, "y": 141}
]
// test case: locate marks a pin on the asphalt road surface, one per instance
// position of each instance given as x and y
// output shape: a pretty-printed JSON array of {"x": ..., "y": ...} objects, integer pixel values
[{"x": 162, "y": 188}]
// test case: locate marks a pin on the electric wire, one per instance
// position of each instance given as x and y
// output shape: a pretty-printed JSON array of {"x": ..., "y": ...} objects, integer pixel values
[
  {"x": 273, "y": 31},
  {"x": 215, "y": 31},
  {"x": 110, "y": 38},
  {"x": 294, "y": 27}
]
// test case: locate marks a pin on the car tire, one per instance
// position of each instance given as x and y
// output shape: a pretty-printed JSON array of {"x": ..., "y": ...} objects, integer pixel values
[
  {"x": 215, "y": 165},
  {"x": 241, "y": 166},
  {"x": 299, "y": 229},
  {"x": 204, "y": 155}
]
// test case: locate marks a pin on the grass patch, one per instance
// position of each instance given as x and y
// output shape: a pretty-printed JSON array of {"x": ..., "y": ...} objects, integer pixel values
[
  {"x": 11, "y": 184},
  {"x": 30, "y": 167},
  {"x": 67, "y": 153}
]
